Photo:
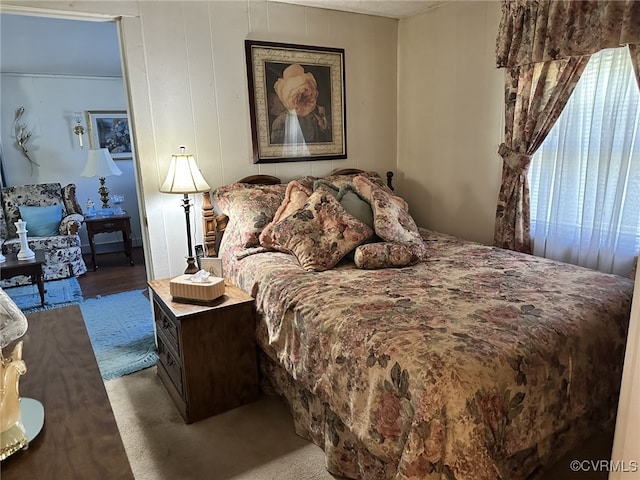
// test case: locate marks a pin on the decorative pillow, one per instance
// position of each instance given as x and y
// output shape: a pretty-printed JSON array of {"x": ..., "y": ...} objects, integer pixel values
[
  {"x": 355, "y": 204},
  {"x": 394, "y": 224},
  {"x": 384, "y": 255},
  {"x": 307, "y": 181},
  {"x": 331, "y": 188},
  {"x": 320, "y": 234},
  {"x": 42, "y": 221},
  {"x": 350, "y": 199},
  {"x": 220, "y": 196},
  {"x": 35, "y": 195},
  {"x": 373, "y": 177},
  {"x": 295, "y": 197},
  {"x": 364, "y": 187},
  {"x": 250, "y": 208}
]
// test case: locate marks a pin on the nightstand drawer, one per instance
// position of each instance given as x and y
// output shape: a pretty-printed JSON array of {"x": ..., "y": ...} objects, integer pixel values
[
  {"x": 171, "y": 365},
  {"x": 166, "y": 327},
  {"x": 109, "y": 226}
]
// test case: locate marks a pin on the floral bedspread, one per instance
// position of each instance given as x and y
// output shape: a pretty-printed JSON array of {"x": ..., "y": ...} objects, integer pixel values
[{"x": 477, "y": 363}]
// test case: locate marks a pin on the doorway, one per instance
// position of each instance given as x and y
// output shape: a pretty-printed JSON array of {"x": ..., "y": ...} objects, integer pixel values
[{"x": 55, "y": 68}]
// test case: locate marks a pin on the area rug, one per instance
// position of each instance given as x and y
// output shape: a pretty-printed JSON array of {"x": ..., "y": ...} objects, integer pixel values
[
  {"x": 120, "y": 327},
  {"x": 58, "y": 293}
]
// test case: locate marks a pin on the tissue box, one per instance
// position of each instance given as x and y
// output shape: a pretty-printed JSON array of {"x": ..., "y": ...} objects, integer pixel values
[{"x": 183, "y": 288}]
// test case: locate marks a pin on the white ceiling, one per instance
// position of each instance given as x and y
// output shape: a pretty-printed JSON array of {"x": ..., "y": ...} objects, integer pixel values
[
  {"x": 384, "y": 8},
  {"x": 54, "y": 46}
]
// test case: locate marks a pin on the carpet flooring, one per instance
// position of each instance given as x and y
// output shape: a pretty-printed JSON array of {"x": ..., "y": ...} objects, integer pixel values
[
  {"x": 121, "y": 330},
  {"x": 58, "y": 293},
  {"x": 253, "y": 442}
]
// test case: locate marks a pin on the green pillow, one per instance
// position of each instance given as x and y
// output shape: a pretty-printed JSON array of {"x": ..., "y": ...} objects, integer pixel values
[
  {"x": 330, "y": 187},
  {"x": 357, "y": 206},
  {"x": 42, "y": 221},
  {"x": 350, "y": 199}
]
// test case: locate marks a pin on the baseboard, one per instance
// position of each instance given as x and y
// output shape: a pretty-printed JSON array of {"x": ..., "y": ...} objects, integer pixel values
[{"x": 107, "y": 247}]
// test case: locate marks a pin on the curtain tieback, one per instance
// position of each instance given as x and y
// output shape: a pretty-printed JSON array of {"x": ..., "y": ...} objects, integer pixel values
[{"x": 516, "y": 161}]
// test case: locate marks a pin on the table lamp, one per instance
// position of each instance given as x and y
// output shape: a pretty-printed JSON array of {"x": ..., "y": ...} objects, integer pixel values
[
  {"x": 100, "y": 164},
  {"x": 184, "y": 177}
]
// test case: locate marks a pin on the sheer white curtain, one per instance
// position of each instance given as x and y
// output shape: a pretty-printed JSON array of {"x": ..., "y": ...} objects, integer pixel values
[{"x": 585, "y": 177}]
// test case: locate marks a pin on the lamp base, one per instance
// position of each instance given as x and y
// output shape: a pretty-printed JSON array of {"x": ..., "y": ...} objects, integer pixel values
[
  {"x": 103, "y": 191},
  {"x": 191, "y": 266}
]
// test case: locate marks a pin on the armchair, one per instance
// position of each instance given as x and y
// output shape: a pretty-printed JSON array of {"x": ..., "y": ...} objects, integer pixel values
[{"x": 63, "y": 253}]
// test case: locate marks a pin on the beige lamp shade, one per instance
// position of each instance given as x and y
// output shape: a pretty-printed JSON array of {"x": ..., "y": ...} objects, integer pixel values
[
  {"x": 100, "y": 164},
  {"x": 184, "y": 175}
]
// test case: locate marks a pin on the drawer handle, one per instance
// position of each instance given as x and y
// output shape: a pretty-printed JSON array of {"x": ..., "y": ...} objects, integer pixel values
[
  {"x": 166, "y": 325},
  {"x": 170, "y": 361}
]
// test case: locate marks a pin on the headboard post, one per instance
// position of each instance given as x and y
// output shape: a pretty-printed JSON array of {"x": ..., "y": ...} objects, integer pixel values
[
  {"x": 390, "y": 180},
  {"x": 208, "y": 225}
]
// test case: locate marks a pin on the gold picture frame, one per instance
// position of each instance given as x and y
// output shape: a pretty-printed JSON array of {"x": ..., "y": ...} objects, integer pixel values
[{"x": 297, "y": 102}]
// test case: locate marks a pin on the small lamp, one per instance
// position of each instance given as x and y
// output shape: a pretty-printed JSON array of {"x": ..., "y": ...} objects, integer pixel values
[
  {"x": 100, "y": 164},
  {"x": 184, "y": 177}
]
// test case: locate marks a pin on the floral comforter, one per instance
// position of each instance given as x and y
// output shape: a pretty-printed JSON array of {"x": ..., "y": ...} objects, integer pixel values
[{"x": 477, "y": 363}]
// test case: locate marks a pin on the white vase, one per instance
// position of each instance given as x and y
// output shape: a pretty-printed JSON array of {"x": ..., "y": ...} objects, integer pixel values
[{"x": 25, "y": 252}]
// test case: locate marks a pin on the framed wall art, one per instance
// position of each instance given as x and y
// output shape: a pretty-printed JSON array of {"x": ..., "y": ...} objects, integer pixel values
[
  {"x": 110, "y": 130},
  {"x": 297, "y": 102}
]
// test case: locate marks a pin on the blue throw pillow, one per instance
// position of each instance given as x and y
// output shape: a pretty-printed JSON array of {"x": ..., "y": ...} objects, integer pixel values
[{"x": 42, "y": 221}]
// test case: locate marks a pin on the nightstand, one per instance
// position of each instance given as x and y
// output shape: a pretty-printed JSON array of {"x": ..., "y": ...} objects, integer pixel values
[
  {"x": 116, "y": 223},
  {"x": 206, "y": 354}
]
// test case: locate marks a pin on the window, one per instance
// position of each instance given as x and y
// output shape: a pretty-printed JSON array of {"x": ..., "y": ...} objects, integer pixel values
[{"x": 585, "y": 177}]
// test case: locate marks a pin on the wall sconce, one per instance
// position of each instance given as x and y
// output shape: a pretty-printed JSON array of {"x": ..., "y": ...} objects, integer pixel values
[{"x": 78, "y": 129}]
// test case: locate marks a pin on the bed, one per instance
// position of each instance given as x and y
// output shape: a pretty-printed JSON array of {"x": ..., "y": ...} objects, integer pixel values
[{"x": 447, "y": 359}]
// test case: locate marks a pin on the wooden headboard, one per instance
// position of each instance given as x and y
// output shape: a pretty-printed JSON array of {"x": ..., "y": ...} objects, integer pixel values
[
  {"x": 214, "y": 226},
  {"x": 271, "y": 180}
]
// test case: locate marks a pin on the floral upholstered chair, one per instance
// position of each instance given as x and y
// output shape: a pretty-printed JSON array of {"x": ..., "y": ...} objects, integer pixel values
[{"x": 53, "y": 218}]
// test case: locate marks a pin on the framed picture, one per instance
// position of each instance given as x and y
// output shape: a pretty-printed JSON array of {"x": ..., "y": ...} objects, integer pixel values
[
  {"x": 110, "y": 130},
  {"x": 297, "y": 102}
]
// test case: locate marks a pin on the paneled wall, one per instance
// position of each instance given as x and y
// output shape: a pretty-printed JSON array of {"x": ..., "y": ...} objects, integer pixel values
[
  {"x": 450, "y": 99},
  {"x": 186, "y": 77}
]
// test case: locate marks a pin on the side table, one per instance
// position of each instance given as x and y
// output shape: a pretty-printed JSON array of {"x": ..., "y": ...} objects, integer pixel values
[
  {"x": 80, "y": 439},
  {"x": 12, "y": 267},
  {"x": 115, "y": 223},
  {"x": 206, "y": 354}
]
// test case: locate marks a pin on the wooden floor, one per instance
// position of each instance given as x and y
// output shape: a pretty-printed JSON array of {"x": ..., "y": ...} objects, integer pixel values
[{"x": 114, "y": 274}]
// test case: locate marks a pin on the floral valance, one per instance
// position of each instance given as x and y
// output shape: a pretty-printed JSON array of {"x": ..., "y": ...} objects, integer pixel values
[{"x": 541, "y": 30}]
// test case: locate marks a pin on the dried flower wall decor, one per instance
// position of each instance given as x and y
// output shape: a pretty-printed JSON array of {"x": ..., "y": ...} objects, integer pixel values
[{"x": 23, "y": 134}]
